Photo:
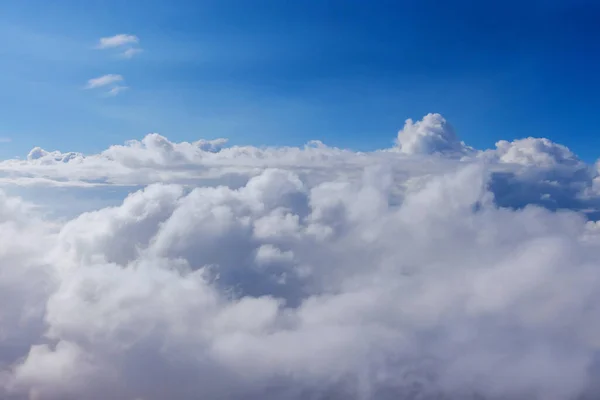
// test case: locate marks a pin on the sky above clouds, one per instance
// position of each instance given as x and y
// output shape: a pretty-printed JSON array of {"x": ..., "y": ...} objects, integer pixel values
[
  {"x": 283, "y": 73},
  {"x": 306, "y": 200}
]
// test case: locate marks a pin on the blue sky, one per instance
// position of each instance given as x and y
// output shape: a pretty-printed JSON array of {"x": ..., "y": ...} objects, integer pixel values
[{"x": 281, "y": 73}]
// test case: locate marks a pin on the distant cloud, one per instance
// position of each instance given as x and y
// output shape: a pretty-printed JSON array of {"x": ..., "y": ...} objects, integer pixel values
[
  {"x": 128, "y": 46},
  {"x": 116, "y": 90},
  {"x": 129, "y": 42},
  {"x": 103, "y": 80},
  {"x": 131, "y": 52},
  {"x": 431, "y": 135},
  {"x": 107, "y": 80},
  {"x": 117, "y": 41},
  {"x": 5, "y": 140},
  {"x": 535, "y": 151}
]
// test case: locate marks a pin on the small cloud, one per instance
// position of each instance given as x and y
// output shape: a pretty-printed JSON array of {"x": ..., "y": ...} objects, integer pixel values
[
  {"x": 131, "y": 52},
  {"x": 103, "y": 80},
  {"x": 117, "y": 41},
  {"x": 5, "y": 140},
  {"x": 116, "y": 90},
  {"x": 128, "y": 42},
  {"x": 110, "y": 80}
]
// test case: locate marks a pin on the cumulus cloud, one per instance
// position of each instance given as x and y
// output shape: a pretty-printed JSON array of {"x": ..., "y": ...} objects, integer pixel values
[
  {"x": 525, "y": 171},
  {"x": 46, "y": 157},
  {"x": 432, "y": 135},
  {"x": 534, "y": 151},
  {"x": 295, "y": 273}
]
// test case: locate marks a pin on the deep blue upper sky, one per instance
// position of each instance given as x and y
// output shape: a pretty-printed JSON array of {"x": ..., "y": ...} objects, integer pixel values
[{"x": 276, "y": 72}]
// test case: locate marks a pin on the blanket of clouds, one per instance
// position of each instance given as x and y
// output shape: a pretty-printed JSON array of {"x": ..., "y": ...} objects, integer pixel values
[{"x": 429, "y": 270}]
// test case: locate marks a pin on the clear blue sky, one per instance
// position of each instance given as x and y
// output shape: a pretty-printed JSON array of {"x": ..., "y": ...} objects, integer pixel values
[{"x": 284, "y": 72}]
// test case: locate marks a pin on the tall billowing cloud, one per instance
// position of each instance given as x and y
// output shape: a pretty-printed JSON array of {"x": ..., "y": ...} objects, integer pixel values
[
  {"x": 432, "y": 135},
  {"x": 293, "y": 273}
]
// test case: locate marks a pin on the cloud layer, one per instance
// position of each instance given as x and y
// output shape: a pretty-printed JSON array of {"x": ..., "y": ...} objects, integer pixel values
[{"x": 426, "y": 271}]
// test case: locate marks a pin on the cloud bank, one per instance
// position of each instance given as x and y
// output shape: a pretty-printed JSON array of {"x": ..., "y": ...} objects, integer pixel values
[{"x": 429, "y": 270}]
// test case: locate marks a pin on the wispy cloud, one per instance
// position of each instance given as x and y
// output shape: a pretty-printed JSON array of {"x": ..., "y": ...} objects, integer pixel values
[
  {"x": 128, "y": 42},
  {"x": 104, "y": 80},
  {"x": 116, "y": 90},
  {"x": 5, "y": 139},
  {"x": 117, "y": 41},
  {"x": 131, "y": 52},
  {"x": 110, "y": 81}
]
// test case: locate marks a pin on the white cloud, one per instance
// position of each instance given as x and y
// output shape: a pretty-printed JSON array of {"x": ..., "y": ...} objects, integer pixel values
[
  {"x": 129, "y": 53},
  {"x": 534, "y": 151},
  {"x": 557, "y": 179},
  {"x": 432, "y": 135},
  {"x": 117, "y": 41},
  {"x": 116, "y": 90},
  {"x": 128, "y": 44},
  {"x": 301, "y": 273},
  {"x": 104, "y": 80},
  {"x": 269, "y": 254},
  {"x": 109, "y": 81}
]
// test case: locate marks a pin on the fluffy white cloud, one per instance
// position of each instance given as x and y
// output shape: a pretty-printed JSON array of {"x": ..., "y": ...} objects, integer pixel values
[
  {"x": 432, "y": 135},
  {"x": 534, "y": 151},
  {"x": 299, "y": 273},
  {"x": 37, "y": 154},
  {"x": 523, "y": 172}
]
